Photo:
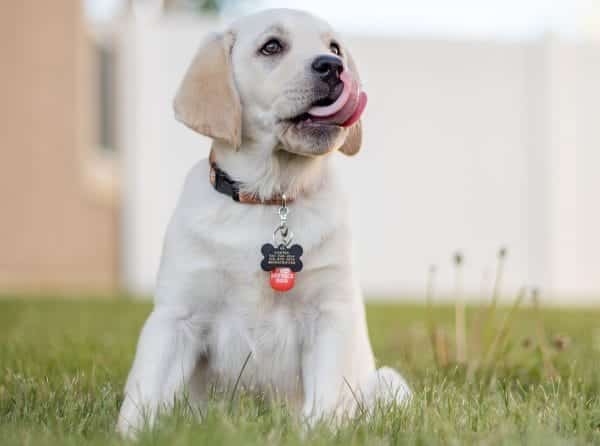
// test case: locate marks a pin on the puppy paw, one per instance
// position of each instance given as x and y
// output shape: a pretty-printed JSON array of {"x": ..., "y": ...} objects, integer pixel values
[
  {"x": 133, "y": 419},
  {"x": 386, "y": 386}
]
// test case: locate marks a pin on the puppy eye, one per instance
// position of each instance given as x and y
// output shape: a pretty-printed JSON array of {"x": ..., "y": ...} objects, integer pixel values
[
  {"x": 272, "y": 47},
  {"x": 335, "y": 49}
]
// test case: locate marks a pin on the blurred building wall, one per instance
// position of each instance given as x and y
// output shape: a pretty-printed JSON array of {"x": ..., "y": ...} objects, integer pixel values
[
  {"x": 58, "y": 225},
  {"x": 468, "y": 145}
]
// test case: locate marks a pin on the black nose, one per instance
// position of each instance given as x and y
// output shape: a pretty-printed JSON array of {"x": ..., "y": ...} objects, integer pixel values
[{"x": 328, "y": 68}]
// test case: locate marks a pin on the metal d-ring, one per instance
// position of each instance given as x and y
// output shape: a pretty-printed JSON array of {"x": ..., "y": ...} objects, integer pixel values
[{"x": 283, "y": 209}]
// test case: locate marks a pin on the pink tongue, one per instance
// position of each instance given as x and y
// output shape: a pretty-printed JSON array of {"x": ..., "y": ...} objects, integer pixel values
[{"x": 347, "y": 109}]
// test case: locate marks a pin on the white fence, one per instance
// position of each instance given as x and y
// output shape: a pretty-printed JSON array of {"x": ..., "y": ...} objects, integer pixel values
[{"x": 468, "y": 146}]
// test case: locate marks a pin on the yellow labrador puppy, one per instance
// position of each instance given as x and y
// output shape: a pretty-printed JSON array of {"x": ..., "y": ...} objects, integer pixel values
[{"x": 256, "y": 276}]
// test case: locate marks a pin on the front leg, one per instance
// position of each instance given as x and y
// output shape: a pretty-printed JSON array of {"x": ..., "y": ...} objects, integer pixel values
[
  {"x": 167, "y": 353},
  {"x": 325, "y": 364}
]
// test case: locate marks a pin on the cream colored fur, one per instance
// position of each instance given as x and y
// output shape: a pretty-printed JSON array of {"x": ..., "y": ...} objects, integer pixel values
[{"x": 213, "y": 303}]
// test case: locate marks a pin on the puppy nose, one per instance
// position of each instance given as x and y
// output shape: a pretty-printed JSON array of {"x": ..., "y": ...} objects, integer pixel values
[{"x": 328, "y": 68}]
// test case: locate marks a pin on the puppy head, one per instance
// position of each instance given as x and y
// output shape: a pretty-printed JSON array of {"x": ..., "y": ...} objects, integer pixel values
[{"x": 279, "y": 78}]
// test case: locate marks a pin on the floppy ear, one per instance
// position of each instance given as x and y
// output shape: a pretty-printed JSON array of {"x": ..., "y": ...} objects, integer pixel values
[
  {"x": 207, "y": 100},
  {"x": 353, "y": 141}
]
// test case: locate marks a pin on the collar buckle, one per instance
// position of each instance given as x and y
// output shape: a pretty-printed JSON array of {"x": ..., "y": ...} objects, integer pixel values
[{"x": 224, "y": 184}]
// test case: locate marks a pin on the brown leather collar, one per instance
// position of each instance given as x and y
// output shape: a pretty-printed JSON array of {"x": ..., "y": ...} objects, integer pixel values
[{"x": 224, "y": 184}]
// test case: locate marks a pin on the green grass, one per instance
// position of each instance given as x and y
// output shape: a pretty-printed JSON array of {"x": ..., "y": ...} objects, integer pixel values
[{"x": 63, "y": 365}]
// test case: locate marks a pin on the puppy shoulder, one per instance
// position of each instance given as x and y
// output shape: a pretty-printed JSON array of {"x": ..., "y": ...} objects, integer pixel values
[
  {"x": 197, "y": 180},
  {"x": 194, "y": 201}
]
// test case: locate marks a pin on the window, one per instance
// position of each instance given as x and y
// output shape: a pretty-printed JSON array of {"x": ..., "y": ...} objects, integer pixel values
[{"x": 105, "y": 86}]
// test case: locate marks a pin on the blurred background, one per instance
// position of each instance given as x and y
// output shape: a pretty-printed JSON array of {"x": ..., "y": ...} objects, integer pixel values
[{"x": 482, "y": 132}]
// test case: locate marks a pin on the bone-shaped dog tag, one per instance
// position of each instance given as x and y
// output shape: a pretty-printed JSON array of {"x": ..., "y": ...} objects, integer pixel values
[{"x": 283, "y": 263}]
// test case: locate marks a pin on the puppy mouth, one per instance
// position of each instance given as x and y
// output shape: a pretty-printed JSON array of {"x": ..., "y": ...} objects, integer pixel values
[{"x": 344, "y": 111}]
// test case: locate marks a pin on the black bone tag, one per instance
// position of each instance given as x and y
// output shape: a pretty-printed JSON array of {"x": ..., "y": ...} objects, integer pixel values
[{"x": 281, "y": 257}]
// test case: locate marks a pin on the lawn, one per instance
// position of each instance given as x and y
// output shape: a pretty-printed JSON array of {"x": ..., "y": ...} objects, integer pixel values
[{"x": 63, "y": 365}]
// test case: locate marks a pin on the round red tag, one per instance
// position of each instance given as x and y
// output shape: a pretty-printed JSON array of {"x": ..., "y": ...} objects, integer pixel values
[{"x": 282, "y": 279}]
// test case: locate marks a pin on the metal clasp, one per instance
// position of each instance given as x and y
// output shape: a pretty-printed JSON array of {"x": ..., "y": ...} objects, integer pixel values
[{"x": 282, "y": 231}]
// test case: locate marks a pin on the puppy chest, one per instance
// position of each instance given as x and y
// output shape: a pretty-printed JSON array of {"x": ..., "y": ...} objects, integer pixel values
[{"x": 270, "y": 338}]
